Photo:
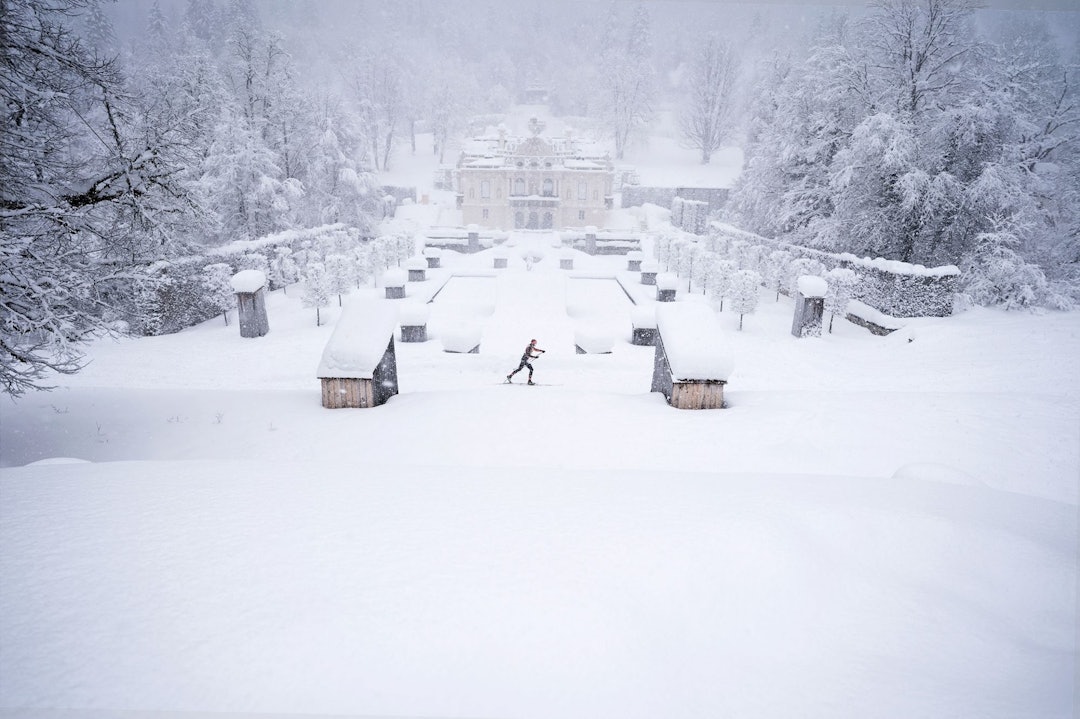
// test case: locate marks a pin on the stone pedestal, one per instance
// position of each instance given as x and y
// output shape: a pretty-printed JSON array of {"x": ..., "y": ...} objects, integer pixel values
[{"x": 808, "y": 316}]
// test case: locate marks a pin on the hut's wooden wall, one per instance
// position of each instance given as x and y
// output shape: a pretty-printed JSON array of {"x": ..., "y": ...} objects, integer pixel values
[
  {"x": 697, "y": 395},
  {"x": 338, "y": 393}
]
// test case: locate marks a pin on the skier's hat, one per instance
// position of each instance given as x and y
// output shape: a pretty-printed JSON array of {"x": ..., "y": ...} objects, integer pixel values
[{"x": 532, "y": 342}]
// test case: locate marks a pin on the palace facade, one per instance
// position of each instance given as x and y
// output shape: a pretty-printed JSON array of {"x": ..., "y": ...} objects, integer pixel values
[{"x": 533, "y": 183}]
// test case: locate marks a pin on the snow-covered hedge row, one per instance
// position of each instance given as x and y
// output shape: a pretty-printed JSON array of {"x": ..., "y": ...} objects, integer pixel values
[
  {"x": 635, "y": 195},
  {"x": 895, "y": 288},
  {"x": 690, "y": 215},
  {"x": 169, "y": 295}
]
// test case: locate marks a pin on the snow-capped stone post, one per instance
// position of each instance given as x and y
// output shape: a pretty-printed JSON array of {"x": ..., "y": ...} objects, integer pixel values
[
  {"x": 250, "y": 289},
  {"x": 359, "y": 365},
  {"x": 633, "y": 260},
  {"x": 394, "y": 284},
  {"x": 433, "y": 255},
  {"x": 648, "y": 272},
  {"x": 414, "y": 317},
  {"x": 474, "y": 238},
  {"x": 500, "y": 259},
  {"x": 417, "y": 267},
  {"x": 809, "y": 306},
  {"x": 590, "y": 240},
  {"x": 690, "y": 366},
  {"x": 644, "y": 322},
  {"x": 666, "y": 286},
  {"x": 566, "y": 260}
]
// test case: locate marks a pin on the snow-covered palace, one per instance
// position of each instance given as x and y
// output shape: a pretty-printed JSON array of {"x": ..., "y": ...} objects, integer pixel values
[{"x": 534, "y": 183}]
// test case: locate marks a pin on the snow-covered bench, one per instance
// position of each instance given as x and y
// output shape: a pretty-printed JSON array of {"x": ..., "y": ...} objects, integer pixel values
[
  {"x": 866, "y": 316},
  {"x": 359, "y": 366},
  {"x": 691, "y": 365}
]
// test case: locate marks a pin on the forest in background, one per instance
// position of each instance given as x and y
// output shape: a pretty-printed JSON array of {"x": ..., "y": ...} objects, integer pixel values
[{"x": 139, "y": 132}]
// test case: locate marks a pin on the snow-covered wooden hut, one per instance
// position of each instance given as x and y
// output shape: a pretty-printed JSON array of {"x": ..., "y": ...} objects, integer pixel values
[
  {"x": 250, "y": 289},
  {"x": 359, "y": 366},
  {"x": 691, "y": 365}
]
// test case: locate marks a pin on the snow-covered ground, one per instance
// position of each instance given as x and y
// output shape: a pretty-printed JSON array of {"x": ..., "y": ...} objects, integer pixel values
[{"x": 875, "y": 527}]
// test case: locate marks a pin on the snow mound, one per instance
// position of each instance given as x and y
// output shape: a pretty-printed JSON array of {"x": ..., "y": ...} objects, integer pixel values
[
  {"x": 594, "y": 339},
  {"x": 934, "y": 472},
  {"x": 57, "y": 460},
  {"x": 463, "y": 338}
]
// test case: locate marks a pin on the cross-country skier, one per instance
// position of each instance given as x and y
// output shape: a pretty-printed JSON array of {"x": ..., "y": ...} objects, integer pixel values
[{"x": 525, "y": 357}]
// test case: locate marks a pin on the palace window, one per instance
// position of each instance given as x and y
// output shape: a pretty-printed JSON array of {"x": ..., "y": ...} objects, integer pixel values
[
  {"x": 519, "y": 186},
  {"x": 582, "y": 191},
  {"x": 581, "y": 214},
  {"x": 485, "y": 189},
  {"x": 549, "y": 187}
]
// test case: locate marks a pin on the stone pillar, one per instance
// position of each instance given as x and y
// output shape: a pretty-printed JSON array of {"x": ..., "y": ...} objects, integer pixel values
[
  {"x": 250, "y": 289},
  {"x": 474, "y": 239},
  {"x": 417, "y": 268},
  {"x": 633, "y": 261},
  {"x": 809, "y": 306},
  {"x": 666, "y": 287},
  {"x": 434, "y": 258},
  {"x": 590, "y": 240},
  {"x": 648, "y": 273},
  {"x": 394, "y": 282}
]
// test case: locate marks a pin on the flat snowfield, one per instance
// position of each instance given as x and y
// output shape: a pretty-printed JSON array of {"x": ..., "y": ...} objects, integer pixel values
[{"x": 874, "y": 527}]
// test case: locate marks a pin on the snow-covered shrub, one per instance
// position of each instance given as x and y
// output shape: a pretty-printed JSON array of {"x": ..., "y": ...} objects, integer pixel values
[
  {"x": 997, "y": 275},
  {"x": 219, "y": 292},
  {"x": 744, "y": 293},
  {"x": 776, "y": 270},
  {"x": 283, "y": 269},
  {"x": 802, "y": 266}
]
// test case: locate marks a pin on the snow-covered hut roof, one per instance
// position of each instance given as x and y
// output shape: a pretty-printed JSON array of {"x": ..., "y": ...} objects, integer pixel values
[
  {"x": 363, "y": 332},
  {"x": 693, "y": 341},
  {"x": 248, "y": 281}
]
